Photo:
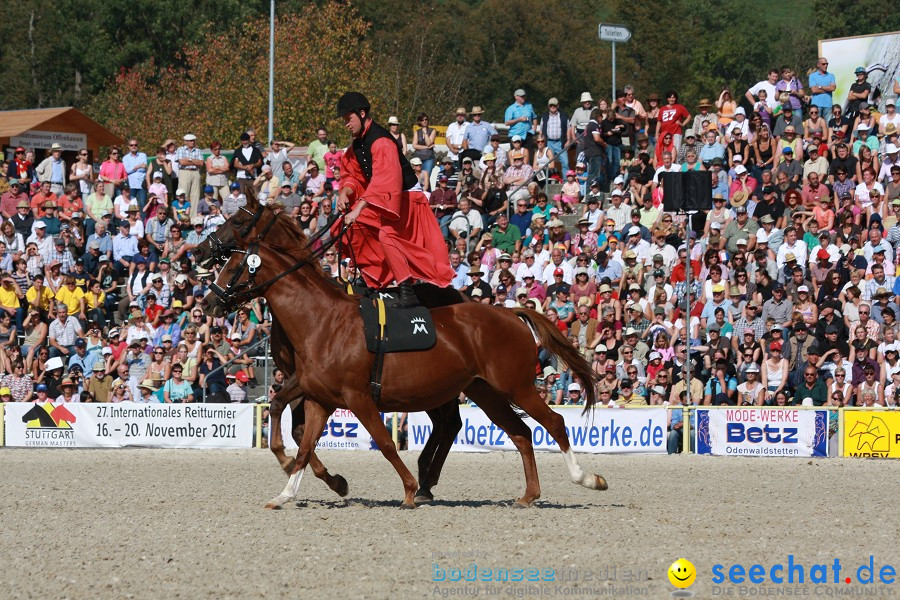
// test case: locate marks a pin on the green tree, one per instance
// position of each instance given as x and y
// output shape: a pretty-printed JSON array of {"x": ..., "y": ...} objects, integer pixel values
[{"x": 223, "y": 86}]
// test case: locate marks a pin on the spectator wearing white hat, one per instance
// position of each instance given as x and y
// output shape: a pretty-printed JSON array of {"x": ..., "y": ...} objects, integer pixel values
[
  {"x": 53, "y": 170},
  {"x": 580, "y": 118},
  {"x": 189, "y": 161},
  {"x": 890, "y": 163},
  {"x": 456, "y": 132}
]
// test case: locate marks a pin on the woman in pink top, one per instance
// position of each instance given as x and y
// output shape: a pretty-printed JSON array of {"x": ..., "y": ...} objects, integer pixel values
[{"x": 112, "y": 171}]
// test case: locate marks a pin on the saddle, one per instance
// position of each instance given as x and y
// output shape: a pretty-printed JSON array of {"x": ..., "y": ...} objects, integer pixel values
[{"x": 389, "y": 328}]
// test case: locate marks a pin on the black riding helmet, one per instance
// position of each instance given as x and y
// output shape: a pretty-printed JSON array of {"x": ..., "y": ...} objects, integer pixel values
[{"x": 352, "y": 102}]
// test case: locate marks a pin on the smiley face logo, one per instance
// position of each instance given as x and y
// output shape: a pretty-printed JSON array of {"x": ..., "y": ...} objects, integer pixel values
[{"x": 682, "y": 573}]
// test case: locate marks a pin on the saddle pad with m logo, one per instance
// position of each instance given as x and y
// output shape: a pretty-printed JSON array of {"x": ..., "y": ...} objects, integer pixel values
[{"x": 404, "y": 329}]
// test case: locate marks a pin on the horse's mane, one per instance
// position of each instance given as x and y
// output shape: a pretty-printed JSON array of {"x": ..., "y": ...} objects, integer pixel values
[{"x": 295, "y": 243}]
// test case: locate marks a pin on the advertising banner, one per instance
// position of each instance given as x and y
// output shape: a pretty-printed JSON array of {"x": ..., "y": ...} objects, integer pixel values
[
  {"x": 871, "y": 433},
  {"x": 762, "y": 432},
  {"x": 878, "y": 54},
  {"x": 75, "y": 425},
  {"x": 600, "y": 431},
  {"x": 342, "y": 432}
]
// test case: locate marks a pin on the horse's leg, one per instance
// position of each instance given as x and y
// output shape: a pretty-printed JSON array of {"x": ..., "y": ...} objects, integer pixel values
[
  {"x": 529, "y": 401},
  {"x": 497, "y": 408},
  {"x": 337, "y": 483},
  {"x": 367, "y": 413},
  {"x": 447, "y": 424},
  {"x": 316, "y": 416},
  {"x": 276, "y": 444}
]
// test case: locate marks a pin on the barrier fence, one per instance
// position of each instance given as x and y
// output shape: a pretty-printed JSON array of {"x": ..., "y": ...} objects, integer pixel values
[{"x": 799, "y": 431}]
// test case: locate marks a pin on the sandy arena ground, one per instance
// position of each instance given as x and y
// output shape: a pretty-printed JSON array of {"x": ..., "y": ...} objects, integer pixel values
[{"x": 190, "y": 524}]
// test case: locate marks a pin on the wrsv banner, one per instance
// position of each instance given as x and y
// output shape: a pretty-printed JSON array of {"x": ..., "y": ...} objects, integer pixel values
[
  {"x": 601, "y": 431},
  {"x": 74, "y": 425},
  {"x": 762, "y": 432}
]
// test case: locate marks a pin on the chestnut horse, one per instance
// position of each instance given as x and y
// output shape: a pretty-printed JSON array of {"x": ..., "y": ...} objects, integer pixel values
[
  {"x": 333, "y": 365},
  {"x": 445, "y": 419}
]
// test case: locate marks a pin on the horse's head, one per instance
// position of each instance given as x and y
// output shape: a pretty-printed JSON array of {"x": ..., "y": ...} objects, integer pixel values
[
  {"x": 216, "y": 248},
  {"x": 236, "y": 232},
  {"x": 237, "y": 280}
]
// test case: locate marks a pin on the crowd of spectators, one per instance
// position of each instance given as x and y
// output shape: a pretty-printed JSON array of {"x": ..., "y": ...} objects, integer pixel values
[
  {"x": 99, "y": 293},
  {"x": 793, "y": 296}
]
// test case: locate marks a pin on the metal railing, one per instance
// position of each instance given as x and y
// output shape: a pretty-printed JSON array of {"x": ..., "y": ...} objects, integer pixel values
[{"x": 245, "y": 352}]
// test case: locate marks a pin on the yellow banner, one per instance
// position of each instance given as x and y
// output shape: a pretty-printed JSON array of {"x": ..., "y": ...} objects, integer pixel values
[
  {"x": 871, "y": 433},
  {"x": 440, "y": 139}
]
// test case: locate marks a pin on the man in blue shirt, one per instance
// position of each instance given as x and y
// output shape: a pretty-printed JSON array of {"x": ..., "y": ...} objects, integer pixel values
[
  {"x": 821, "y": 84},
  {"x": 460, "y": 269},
  {"x": 521, "y": 118},
  {"x": 135, "y": 164},
  {"x": 478, "y": 135},
  {"x": 721, "y": 388},
  {"x": 53, "y": 170}
]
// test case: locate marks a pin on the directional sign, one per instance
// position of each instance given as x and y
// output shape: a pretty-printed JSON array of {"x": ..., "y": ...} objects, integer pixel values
[{"x": 610, "y": 32}]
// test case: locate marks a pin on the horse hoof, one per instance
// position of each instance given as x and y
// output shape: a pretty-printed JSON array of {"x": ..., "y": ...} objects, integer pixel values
[
  {"x": 273, "y": 506},
  {"x": 341, "y": 487},
  {"x": 521, "y": 504},
  {"x": 601, "y": 483},
  {"x": 423, "y": 497},
  {"x": 406, "y": 506}
]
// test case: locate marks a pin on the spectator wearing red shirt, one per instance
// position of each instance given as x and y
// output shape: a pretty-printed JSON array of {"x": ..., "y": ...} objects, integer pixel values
[
  {"x": 673, "y": 117},
  {"x": 679, "y": 271},
  {"x": 38, "y": 200},
  {"x": 153, "y": 309}
]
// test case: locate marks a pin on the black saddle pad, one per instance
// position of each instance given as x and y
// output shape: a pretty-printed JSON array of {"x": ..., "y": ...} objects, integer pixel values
[{"x": 406, "y": 329}]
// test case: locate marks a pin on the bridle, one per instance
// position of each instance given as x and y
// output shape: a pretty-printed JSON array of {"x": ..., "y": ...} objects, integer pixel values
[
  {"x": 221, "y": 251},
  {"x": 235, "y": 291}
]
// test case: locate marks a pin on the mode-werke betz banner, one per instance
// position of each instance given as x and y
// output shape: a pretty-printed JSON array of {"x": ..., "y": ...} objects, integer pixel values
[
  {"x": 343, "y": 431},
  {"x": 762, "y": 432},
  {"x": 76, "y": 425},
  {"x": 600, "y": 431}
]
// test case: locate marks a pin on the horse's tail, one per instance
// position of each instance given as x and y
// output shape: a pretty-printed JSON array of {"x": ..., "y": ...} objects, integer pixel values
[{"x": 556, "y": 343}]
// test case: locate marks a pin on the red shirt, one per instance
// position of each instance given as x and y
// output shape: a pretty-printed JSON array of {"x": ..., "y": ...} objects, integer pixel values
[
  {"x": 812, "y": 197},
  {"x": 37, "y": 203},
  {"x": 670, "y": 118},
  {"x": 153, "y": 311},
  {"x": 678, "y": 271}
]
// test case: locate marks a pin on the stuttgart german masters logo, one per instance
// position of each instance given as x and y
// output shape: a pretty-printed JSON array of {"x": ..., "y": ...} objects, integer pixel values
[{"x": 48, "y": 425}]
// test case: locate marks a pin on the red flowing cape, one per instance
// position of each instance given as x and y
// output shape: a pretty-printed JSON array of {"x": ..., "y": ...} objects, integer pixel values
[{"x": 396, "y": 237}]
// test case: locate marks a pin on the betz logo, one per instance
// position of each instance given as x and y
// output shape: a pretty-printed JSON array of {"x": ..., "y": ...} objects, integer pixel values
[
  {"x": 341, "y": 429},
  {"x": 418, "y": 325},
  {"x": 738, "y": 432}
]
